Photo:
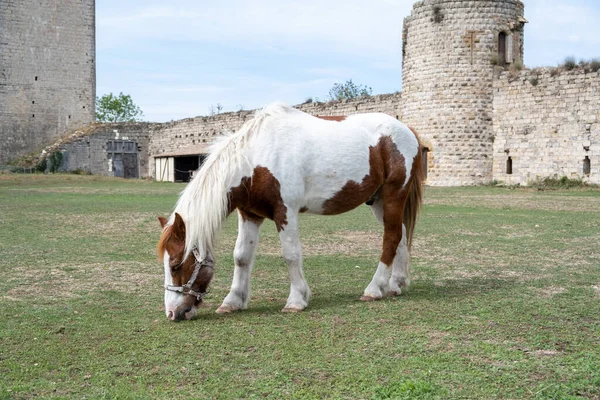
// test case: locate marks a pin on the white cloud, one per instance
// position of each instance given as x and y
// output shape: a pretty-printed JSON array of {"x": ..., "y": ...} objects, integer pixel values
[
  {"x": 352, "y": 26},
  {"x": 176, "y": 58}
]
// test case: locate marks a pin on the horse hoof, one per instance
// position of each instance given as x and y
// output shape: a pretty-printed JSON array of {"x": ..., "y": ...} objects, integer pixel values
[
  {"x": 368, "y": 298},
  {"x": 224, "y": 309},
  {"x": 291, "y": 310}
]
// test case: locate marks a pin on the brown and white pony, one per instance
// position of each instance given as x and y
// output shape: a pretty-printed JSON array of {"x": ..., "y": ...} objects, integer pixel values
[{"x": 281, "y": 163}]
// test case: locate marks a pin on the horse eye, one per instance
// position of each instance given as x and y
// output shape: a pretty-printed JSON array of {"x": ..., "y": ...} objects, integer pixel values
[{"x": 174, "y": 264}]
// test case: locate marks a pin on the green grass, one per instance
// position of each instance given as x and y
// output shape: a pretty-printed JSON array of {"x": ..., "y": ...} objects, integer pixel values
[{"x": 504, "y": 301}]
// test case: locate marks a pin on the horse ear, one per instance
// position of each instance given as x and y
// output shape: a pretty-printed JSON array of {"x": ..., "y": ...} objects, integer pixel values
[
  {"x": 178, "y": 228},
  {"x": 163, "y": 221}
]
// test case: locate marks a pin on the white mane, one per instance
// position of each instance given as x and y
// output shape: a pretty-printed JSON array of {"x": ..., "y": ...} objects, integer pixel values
[{"x": 203, "y": 203}]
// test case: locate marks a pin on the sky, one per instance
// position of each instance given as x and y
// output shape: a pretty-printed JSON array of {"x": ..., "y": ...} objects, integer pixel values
[{"x": 182, "y": 58}]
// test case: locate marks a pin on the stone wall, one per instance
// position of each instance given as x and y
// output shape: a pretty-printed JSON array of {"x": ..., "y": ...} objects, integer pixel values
[
  {"x": 448, "y": 51},
  {"x": 86, "y": 149},
  {"x": 547, "y": 122},
  {"x": 47, "y": 71}
]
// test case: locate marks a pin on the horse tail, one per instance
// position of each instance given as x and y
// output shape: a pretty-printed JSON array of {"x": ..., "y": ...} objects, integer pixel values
[{"x": 415, "y": 192}]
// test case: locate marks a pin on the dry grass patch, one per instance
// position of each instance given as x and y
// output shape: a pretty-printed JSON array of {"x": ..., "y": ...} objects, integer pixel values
[
  {"x": 521, "y": 199},
  {"x": 65, "y": 281}
]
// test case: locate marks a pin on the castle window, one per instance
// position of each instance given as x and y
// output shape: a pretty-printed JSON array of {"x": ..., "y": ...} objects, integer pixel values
[
  {"x": 502, "y": 49},
  {"x": 509, "y": 168},
  {"x": 587, "y": 165},
  {"x": 36, "y": 78}
]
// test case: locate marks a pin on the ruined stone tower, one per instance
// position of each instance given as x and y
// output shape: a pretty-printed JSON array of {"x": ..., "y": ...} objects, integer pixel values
[
  {"x": 451, "y": 49},
  {"x": 47, "y": 71}
]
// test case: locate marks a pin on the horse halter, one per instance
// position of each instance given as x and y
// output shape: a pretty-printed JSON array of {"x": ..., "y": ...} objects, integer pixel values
[{"x": 198, "y": 265}]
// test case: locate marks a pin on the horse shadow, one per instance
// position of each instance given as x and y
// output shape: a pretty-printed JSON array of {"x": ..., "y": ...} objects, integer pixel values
[{"x": 420, "y": 291}]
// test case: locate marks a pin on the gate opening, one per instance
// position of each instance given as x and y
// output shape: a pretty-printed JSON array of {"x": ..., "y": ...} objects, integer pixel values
[{"x": 185, "y": 168}]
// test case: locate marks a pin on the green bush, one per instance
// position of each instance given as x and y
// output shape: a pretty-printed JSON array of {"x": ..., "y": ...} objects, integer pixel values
[
  {"x": 56, "y": 160},
  {"x": 569, "y": 64},
  {"x": 559, "y": 183}
]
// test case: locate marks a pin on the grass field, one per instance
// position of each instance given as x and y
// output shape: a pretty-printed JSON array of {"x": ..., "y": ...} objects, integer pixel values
[{"x": 504, "y": 301}]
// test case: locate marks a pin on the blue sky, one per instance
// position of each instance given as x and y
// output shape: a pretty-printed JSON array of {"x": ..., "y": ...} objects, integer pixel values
[{"x": 178, "y": 58}]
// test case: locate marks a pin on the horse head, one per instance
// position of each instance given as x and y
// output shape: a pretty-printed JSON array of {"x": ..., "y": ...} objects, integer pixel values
[{"x": 186, "y": 280}]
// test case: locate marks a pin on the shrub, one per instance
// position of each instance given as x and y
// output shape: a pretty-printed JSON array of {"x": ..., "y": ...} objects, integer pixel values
[
  {"x": 534, "y": 81},
  {"x": 494, "y": 58},
  {"x": 56, "y": 159},
  {"x": 517, "y": 66},
  {"x": 80, "y": 171},
  {"x": 569, "y": 64},
  {"x": 554, "y": 182}
]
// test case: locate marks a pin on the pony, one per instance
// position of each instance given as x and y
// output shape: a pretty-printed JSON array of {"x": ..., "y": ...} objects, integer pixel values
[{"x": 281, "y": 163}]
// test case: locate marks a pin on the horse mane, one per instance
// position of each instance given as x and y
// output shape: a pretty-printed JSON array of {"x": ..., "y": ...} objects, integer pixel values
[
  {"x": 162, "y": 243},
  {"x": 203, "y": 204}
]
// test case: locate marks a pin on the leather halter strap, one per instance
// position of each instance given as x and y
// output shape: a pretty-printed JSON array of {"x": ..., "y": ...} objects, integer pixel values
[{"x": 187, "y": 288}]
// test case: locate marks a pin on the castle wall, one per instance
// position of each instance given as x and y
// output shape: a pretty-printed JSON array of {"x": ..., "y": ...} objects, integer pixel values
[
  {"x": 47, "y": 71},
  {"x": 547, "y": 123},
  {"x": 448, "y": 51},
  {"x": 87, "y": 149}
]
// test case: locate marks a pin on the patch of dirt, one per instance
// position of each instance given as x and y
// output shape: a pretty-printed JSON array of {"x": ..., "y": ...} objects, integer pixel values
[
  {"x": 546, "y": 353},
  {"x": 68, "y": 281},
  {"x": 597, "y": 289},
  {"x": 436, "y": 339},
  {"x": 525, "y": 200},
  {"x": 549, "y": 291}
]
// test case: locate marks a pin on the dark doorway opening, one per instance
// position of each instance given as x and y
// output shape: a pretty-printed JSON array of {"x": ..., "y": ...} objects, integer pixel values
[
  {"x": 509, "y": 169},
  {"x": 587, "y": 165},
  {"x": 185, "y": 166}
]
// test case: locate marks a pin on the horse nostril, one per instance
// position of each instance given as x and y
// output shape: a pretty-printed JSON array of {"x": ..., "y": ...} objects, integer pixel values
[
  {"x": 180, "y": 314},
  {"x": 170, "y": 315}
]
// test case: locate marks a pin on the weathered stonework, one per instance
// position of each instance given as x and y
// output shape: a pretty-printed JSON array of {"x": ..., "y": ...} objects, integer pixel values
[
  {"x": 448, "y": 74},
  {"x": 461, "y": 93},
  {"x": 547, "y": 122},
  {"x": 47, "y": 71}
]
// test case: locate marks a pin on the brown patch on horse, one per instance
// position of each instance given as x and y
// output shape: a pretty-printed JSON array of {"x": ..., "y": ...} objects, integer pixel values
[
  {"x": 386, "y": 165},
  {"x": 303, "y": 209},
  {"x": 402, "y": 205},
  {"x": 259, "y": 197},
  {"x": 172, "y": 241},
  {"x": 387, "y": 174},
  {"x": 337, "y": 118}
]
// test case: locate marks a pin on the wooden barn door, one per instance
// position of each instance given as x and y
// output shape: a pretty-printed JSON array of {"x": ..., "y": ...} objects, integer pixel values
[{"x": 124, "y": 158}]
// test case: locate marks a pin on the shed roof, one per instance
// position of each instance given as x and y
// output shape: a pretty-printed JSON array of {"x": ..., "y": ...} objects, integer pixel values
[{"x": 194, "y": 150}]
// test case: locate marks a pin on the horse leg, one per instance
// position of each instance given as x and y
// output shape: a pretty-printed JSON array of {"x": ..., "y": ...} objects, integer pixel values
[
  {"x": 400, "y": 265},
  {"x": 243, "y": 255},
  {"x": 292, "y": 254},
  {"x": 392, "y": 271}
]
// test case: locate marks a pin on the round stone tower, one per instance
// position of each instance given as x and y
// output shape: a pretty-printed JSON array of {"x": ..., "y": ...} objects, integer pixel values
[
  {"x": 451, "y": 49},
  {"x": 47, "y": 71}
]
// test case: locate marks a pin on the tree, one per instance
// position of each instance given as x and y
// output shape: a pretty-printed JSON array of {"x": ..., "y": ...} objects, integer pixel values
[
  {"x": 348, "y": 91},
  {"x": 111, "y": 108}
]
